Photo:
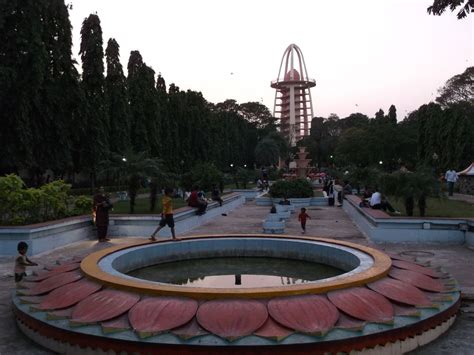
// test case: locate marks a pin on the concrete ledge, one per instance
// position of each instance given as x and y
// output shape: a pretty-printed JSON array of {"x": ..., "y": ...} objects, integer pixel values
[
  {"x": 45, "y": 236},
  {"x": 297, "y": 203},
  {"x": 407, "y": 229},
  {"x": 50, "y": 235},
  {"x": 185, "y": 219},
  {"x": 249, "y": 194}
]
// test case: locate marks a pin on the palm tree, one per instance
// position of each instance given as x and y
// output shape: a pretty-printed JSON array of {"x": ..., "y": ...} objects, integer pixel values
[{"x": 132, "y": 167}]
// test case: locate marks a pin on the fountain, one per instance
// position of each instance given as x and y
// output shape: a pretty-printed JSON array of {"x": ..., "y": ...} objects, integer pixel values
[
  {"x": 102, "y": 304},
  {"x": 302, "y": 163}
]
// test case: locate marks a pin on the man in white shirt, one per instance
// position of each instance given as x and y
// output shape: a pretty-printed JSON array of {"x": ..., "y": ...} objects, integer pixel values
[
  {"x": 379, "y": 203},
  {"x": 451, "y": 177},
  {"x": 375, "y": 199}
]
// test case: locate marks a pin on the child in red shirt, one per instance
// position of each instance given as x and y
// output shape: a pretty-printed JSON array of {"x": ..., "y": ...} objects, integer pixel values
[{"x": 302, "y": 218}]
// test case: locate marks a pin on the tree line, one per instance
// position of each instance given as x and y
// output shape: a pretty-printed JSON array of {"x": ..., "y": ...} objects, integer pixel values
[
  {"x": 438, "y": 134},
  {"x": 55, "y": 118}
]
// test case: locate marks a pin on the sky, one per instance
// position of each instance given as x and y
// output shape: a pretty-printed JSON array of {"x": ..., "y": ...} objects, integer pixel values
[{"x": 364, "y": 55}]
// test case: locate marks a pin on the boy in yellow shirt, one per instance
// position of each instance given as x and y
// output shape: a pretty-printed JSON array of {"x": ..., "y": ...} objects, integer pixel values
[{"x": 166, "y": 215}]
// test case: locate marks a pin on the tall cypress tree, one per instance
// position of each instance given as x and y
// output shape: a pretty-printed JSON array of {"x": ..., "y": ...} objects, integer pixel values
[
  {"x": 392, "y": 114},
  {"x": 143, "y": 105},
  {"x": 39, "y": 92},
  {"x": 96, "y": 134},
  {"x": 23, "y": 63},
  {"x": 60, "y": 111},
  {"x": 117, "y": 100},
  {"x": 139, "y": 135}
]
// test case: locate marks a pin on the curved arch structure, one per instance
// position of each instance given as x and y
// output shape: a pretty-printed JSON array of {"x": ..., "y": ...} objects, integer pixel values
[{"x": 293, "y": 104}]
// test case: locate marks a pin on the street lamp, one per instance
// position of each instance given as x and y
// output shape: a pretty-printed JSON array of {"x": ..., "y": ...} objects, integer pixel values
[
  {"x": 245, "y": 165},
  {"x": 124, "y": 159},
  {"x": 380, "y": 162}
]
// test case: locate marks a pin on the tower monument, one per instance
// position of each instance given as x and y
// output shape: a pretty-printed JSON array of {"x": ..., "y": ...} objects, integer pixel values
[{"x": 293, "y": 105}]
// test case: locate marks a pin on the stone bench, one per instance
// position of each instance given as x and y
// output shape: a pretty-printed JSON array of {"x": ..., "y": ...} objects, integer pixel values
[
  {"x": 274, "y": 227},
  {"x": 284, "y": 214}
]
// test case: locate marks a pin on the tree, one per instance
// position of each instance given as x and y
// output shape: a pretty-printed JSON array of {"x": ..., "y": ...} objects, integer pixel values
[
  {"x": 267, "y": 152},
  {"x": 95, "y": 140},
  {"x": 39, "y": 90},
  {"x": 355, "y": 147},
  {"x": 117, "y": 100},
  {"x": 392, "y": 115},
  {"x": 23, "y": 62},
  {"x": 143, "y": 105},
  {"x": 439, "y": 6},
  {"x": 457, "y": 89},
  {"x": 379, "y": 115},
  {"x": 131, "y": 167},
  {"x": 257, "y": 114},
  {"x": 206, "y": 175}
]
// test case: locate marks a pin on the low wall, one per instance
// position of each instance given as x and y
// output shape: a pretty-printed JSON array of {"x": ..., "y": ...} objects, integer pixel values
[
  {"x": 249, "y": 194},
  {"x": 409, "y": 229},
  {"x": 45, "y": 236},
  {"x": 315, "y": 201},
  {"x": 185, "y": 219},
  {"x": 50, "y": 235}
]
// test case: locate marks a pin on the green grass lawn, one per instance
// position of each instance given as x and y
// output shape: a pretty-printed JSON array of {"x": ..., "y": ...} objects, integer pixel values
[
  {"x": 438, "y": 207},
  {"x": 142, "y": 206}
]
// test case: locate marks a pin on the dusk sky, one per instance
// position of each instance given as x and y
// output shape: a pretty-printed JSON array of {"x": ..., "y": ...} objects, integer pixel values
[{"x": 368, "y": 53}]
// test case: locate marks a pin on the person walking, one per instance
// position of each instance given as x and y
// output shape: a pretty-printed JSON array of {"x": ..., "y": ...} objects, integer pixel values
[
  {"x": 167, "y": 215},
  {"x": 102, "y": 205},
  {"x": 302, "y": 217},
  {"x": 451, "y": 177}
]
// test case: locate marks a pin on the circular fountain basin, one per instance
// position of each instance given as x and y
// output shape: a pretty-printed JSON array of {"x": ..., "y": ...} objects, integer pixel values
[
  {"x": 376, "y": 300},
  {"x": 359, "y": 265}
]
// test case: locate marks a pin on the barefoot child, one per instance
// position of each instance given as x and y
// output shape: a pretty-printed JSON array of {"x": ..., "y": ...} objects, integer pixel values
[
  {"x": 22, "y": 261},
  {"x": 302, "y": 218},
  {"x": 166, "y": 215}
]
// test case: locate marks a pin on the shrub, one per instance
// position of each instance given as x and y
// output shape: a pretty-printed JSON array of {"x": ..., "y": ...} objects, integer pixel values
[
  {"x": 82, "y": 205},
  {"x": 21, "y": 205},
  {"x": 298, "y": 188},
  {"x": 409, "y": 186},
  {"x": 205, "y": 175},
  {"x": 243, "y": 176}
]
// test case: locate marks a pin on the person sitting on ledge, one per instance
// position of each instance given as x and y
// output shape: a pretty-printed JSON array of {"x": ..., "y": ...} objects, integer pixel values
[
  {"x": 379, "y": 202},
  {"x": 198, "y": 202}
]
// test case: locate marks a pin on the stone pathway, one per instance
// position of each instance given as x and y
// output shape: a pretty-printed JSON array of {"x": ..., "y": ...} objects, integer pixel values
[{"x": 331, "y": 222}]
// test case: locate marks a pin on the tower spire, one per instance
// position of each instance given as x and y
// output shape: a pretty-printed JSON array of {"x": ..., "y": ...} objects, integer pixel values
[{"x": 293, "y": 104}]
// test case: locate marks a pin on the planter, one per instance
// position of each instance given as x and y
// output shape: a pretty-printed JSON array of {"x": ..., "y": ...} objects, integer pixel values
[
  {"x": 319, "y": 201},
  {"x": 263, "y": 201},
  {"x": 296, "y": 202}
]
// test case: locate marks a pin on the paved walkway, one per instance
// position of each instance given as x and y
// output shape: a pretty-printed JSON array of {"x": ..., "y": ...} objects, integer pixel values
[{"x": 331, "y": 222}]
